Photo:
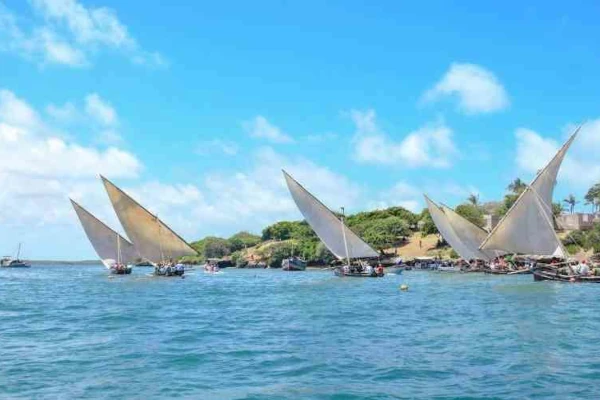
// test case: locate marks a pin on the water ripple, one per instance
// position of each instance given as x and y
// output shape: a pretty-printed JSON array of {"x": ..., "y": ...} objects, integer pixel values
[{"x": 75, "y": 333}]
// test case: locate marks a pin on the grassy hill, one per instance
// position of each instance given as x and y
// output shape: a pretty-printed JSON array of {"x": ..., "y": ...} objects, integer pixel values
[{"x": 394, "y": 230}]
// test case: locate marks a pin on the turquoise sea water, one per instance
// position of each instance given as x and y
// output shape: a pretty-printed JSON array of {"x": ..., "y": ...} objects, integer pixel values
[{"x": 73, "y": 332}]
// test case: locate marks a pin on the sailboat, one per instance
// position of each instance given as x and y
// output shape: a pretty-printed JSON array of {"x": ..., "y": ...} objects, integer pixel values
[
  {"x": 293, "y": 263},
  {"x": 455, "y": 234},
  {"x": 116, "y": 253},
  {"x": 333, "y": 232},
  {"x": 9, "y": 262},
  {"x": 528, "y": 226},
  {"x": 152, "y": 238}
]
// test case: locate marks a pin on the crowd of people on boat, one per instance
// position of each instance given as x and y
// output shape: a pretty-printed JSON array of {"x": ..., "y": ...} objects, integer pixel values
[
  {"x": 580, "y": 268},
  {"x": 169, "y": 269},
  {"x": 120, "y": 269},
  {"x": 211, "y": 267},
  {"x": 363, "y": 269}
]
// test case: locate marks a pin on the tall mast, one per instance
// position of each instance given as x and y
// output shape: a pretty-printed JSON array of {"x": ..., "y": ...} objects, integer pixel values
[
  {"x": 162, "y": 255},
  {"x": 19, "y": 251},
  {"x": 344, "y": 235},
  {"x": 118, "y": 249}
]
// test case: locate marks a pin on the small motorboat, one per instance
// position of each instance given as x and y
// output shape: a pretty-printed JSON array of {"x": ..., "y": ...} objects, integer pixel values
[
  {"x": 120, "y": 269},
  {"x": 397, "y": 269},
  {"x": 293, "y": 264},
  {"x": 169, "y": 270},
  {"x": 211, "y": 268},
  {"x": 8, "y": 262},
  {"x": 362, "y": 270}
]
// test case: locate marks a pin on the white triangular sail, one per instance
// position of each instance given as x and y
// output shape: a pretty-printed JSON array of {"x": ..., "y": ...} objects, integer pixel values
[
  {"x": 445, "y": 228},
  {"x": 469, "y": 234},
  {"x": 152, "y": 238},
  {"x": 326, "y": 225},
  {"x": 109, "y": 245},
  {"x": 527, "y": 227}
]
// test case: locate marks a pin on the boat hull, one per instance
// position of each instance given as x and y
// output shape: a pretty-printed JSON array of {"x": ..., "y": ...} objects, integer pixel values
[
  {"x": 17, "y": 265},
  {"x": 339, "y": 272},
  {"x": 395, "y": 270},
  {"x": 293, "y": 264},
  {"x": 549, "y": 275},
  {"x": 168, "y": 272},
  {"x": 121, "y": 271},
  {"x": 449, "y": 269},
  {"x": 293, "y": 268},
  {"x": 506, "y": 272}
]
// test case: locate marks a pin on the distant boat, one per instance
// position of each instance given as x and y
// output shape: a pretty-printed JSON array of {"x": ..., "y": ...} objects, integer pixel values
[
  {"x": 144, "y": 264},
  {"x": 151, "y": 237},
  {"x": 293, "y": 264},
  {"x": 9, "y": 262},
  {"x": 333, "y": 232},
  {"x": 116, "y": 253}
]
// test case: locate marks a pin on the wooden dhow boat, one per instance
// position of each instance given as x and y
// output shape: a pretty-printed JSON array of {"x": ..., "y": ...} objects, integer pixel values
[
  {"x": 528, "y": 226},
  {"x": 333, "y": 232},
  {"x": 152, "y": 238},
  {"x": 116, "y": 253},
  {"x": 554, "y": 272},
  {"x": 461, "y": 234}
]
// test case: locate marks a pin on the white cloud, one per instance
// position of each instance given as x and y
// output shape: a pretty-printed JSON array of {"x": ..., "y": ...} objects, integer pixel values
[
  {"x": 580, "y": 168},
  {"x": 410, "y": 196},
  {"x": 260, "y": 128},
  {"x": 65, "y": 32},
  {"x": 430, "y": 145},
  {"x": 225, "y": 147},
  {"x": 94, "y": 114},
  {"x": 109, "y": 137},
  {"x": 100, "y": 110},
  {"x": 40, "y": 169},
  {"x": 477, "y": 89},
  {"x": 223, "y": 203},
  {"x": 56, "y": 50},
  {"x": 67, "y": 113},
  {"x": 401, "y": 194},
  {"x": 16, "y": 112},
  {"x": 320, "y": 138}
]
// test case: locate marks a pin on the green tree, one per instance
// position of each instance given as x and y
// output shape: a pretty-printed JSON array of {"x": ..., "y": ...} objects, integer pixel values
[
  {"x": 556, "y": 209},
  {"x": 427, "y": 225},
  {"x": 323, "y": 254},
  {"x": 473, "y": 199},
  {"x": 517, "y": 186},
  {"x": 212, "y": 247},
  {"x": 243, "y": 240},
  {"x": 508, "y": 201},
  {"x": 278, "y": 231},
  {"x": 383, "y": 233},
  {"x": 592, "y": 197},
  {"x": 571, "y": 201},
  {"x": 472, "y": 213}
]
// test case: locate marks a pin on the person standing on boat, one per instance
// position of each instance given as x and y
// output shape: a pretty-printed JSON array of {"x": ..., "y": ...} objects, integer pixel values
[{"x": 583, "y": 268}]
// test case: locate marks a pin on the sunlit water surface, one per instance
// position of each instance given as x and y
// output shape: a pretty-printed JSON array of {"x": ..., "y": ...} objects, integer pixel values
[{"x": 73, "y": 332}]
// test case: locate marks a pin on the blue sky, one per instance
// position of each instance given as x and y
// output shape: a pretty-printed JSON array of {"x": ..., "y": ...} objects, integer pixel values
[{"x": 194, "y": 108}]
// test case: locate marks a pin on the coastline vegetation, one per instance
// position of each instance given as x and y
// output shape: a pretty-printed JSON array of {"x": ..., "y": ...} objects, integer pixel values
[{"x": 384, "y": 229}]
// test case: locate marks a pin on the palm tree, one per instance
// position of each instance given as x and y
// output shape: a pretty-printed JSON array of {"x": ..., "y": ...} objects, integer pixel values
[
  {"x": 593, "y": 197},
  {"x": 517, "y": 186},
  {"x": 571, "y": 201},
  {"x": 473, "y": 199}
]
